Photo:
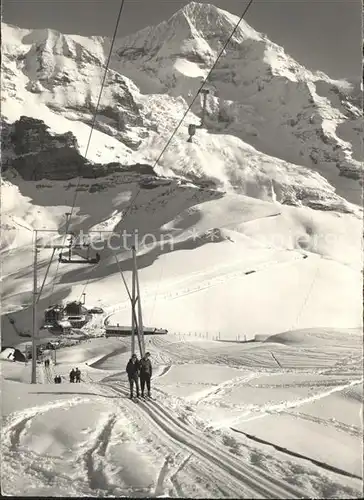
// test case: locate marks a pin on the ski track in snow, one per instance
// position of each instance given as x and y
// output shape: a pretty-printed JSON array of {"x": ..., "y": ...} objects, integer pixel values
[
  {"x": 205, "y": 451},
  {"x": 182, "y": 444},
  {"x": 349, "y": 429},
  {"x": 96, "y": 476},
  {"x": 285, "y": 405}
]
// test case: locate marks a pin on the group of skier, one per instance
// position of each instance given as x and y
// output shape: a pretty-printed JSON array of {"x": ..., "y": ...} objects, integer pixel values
[
  {"x": 75, "y": 375},
  {"x": 139, "y": 369},
  {"x": 135, "y": 369}
]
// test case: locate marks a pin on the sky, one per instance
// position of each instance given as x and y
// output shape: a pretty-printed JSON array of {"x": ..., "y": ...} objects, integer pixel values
[{"x": 320, "y": 34}]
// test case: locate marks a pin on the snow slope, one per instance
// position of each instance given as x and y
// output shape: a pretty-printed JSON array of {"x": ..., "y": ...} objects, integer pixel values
[
  {"x": 197, "y": 439},
  {"x": 241, "y": 249}
]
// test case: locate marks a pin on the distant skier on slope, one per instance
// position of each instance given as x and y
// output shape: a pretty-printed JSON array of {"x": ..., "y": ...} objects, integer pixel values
[
  {"x": 145, "y": 372},
  {"x": 132, "y": 369}
]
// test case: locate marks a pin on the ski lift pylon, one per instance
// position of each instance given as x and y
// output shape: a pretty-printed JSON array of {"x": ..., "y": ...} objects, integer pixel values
[{"x": 191, "y": 127}]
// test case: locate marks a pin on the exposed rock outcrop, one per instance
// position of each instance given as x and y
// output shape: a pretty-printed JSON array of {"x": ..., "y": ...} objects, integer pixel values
[{"x": 37, "y": 154}]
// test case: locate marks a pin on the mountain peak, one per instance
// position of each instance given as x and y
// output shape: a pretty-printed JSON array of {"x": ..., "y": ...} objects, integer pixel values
[{"x": 210, "y": 21}]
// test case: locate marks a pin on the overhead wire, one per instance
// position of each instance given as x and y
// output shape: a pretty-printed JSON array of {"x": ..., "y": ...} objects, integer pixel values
[
  {"x": 308, "y": 294},
  {"x": 90, "y": 135},
  {"x": 204, "y": 81},
  {"x": 195, "y": 97},
  {"x": 188, "y": 110},
  {"x": 221, "y": 52}
]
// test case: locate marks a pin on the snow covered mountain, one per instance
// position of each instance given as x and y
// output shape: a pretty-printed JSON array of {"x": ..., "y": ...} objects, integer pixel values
[
  {"x": 276, "y": 134},
  {"x": 260, "y": 95}
]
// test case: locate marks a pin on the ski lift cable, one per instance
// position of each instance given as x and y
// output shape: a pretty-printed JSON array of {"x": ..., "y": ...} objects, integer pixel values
[
  {"x": 131, "y": 204},
  {"x": 91, "y": 132},
  {"x": 157, "y": 291},
  {"x": 126, "y": 213},
  {"x": 194, "y": 99},
  {"x": 121, "y": 273},
  {"x": 87, "y": 283},
  {"x": 308, "y": 295},
  {"x": 204, "y": 81},
  {"x": 187, "y": 111},
  {"x": 122, "y": 276}
]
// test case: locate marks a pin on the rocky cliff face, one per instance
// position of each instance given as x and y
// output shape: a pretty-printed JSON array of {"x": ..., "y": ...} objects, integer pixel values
[{"x": 37, "y": 154}]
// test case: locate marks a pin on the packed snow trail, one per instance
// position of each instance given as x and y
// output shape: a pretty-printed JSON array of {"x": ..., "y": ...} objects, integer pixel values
[{"x": 190, "y": 439}]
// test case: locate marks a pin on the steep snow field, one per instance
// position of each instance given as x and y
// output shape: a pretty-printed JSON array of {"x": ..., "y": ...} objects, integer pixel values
[{"x": 199, "y": 438}]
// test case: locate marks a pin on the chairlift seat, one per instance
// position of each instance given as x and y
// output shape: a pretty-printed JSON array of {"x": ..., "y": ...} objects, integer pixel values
[
  {"x": 93, "y": 261},
  {"x": 78, "y": 261},
  {"x": 81, "y": 245}
]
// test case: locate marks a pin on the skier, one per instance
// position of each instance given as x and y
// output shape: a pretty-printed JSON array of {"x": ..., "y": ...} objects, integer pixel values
[
  {"x": 145, "y": 373},
  {"x": 78, "y": 375},
  {"x": 132, "y": 369},
  {"x": 72, "y": 375}
]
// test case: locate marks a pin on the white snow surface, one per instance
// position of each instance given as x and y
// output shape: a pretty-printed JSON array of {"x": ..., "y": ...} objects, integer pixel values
[
  {"x": 273, "y": 254},
  {"x": 213, "y": 401}
]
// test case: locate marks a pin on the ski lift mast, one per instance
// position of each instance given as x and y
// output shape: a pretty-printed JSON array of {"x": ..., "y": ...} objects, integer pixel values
[
  {"x": 137, "y": 320},
  {"x": 36, "y": 294},
  {"x": 192, "y": 127},
  {"x": 137, "y": 327}
]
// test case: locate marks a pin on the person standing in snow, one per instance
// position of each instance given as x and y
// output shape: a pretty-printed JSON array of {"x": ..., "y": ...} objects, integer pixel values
[
  {"x": 72, "y": 375},
  {"x": 145, "y": 373},
  {"x": 78, "y": 375},
  {"x": 132, "y": 369}
]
